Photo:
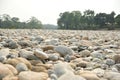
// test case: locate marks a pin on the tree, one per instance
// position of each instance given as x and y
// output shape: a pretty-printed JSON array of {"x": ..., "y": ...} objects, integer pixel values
[
  {"x": 100, "y": 19},
  {"x": 88, "y": 18},
  {"x": 117, "y": 20},
  {"x": 33, "y": 22}
]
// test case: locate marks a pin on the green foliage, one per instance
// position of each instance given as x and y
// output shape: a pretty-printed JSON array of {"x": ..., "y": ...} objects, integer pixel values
[
  {"x": 88, "y": 20},
  {"x": 13, "y": 23}
]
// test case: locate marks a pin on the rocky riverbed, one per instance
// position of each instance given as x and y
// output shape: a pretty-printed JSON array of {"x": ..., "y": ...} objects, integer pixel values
[{"x": 59, "y": 55}]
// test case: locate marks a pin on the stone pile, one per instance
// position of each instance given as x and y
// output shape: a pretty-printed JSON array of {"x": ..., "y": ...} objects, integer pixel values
[{"x": 59, "y": 55}]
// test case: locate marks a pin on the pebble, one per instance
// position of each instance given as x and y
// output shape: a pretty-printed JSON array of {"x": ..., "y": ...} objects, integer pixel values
[
  {"x": 74, "y": 55},
  {"x": 63, "y": 50},
  {"x": 40, "y": 54}
]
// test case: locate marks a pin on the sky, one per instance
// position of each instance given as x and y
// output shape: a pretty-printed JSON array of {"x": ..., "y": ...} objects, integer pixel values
[{"x": 47, "y": 11}]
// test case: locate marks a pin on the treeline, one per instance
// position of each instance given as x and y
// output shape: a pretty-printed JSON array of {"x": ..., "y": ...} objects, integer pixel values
[
  {"x": 14, "y": 23},
  {"x": 88, "y": 20}
]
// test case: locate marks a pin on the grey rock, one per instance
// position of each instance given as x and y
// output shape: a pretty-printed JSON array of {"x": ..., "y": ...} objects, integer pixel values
[
  {"x": 12, "y": 45},
  {"x": 52, "y": 41},
  {"x": 25, "y": 54},
  {"x": 85, "y": 53},
  {"x": 97, "y": 54},
  {"x": 62, "y": 68},
  {"x": 53, "y": 57},
  {"x": 63, "y": 50},
  {"x": 21, "y": 67},
  {"x": 110, "y": 62},
  {"x": 2, "y": 58}
]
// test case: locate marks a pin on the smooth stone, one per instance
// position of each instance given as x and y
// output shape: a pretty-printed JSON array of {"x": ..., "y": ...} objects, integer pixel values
[
  {"x": 117, "y": 66},
  {"x": 52, "y": 41},
  {"x": 109, "y": 62},
  {"x": 61, "y": 68},
  {"x": 116, "y": 58},
  {"x": 12, "y": 68},
  {"x": 25, "y": 54},
  {"x": 39, "y": 69},
  {"x": 24, "y": 44},
  {"x": 4, "y": 52},
  {"x": 10, "y": 78},
  {"x": 2, "y": 58},
  {"x": 41, "y": 54},
  {"x": 97, "y": 60},
  {"x": 4, "y": 71},
  {"x": 30, "y": 75},
  {"x": 21, "y": 67},
  {"x": 15, "y": 61},
  {"x": 70, "y": 76},
  {"x": 99, "y": 72},
  {"x": 85, "y": 53},
  {"x": 74, "y": 47},
  {"x": 54, "y": 57},
  {"x": 12, "y": 45},
  {"x": 112, "y": 75},
  {"x": 47, "y": 47},
  {"x": 88, "y": 75},
  {"x": 63, "y": 50},
  {"x": 97, "y": 54}
]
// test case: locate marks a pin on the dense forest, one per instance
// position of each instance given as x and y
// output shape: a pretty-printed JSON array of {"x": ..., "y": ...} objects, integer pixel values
[
  {"x": 88, "y": 20},
  {"x": 74, "y": 20}
]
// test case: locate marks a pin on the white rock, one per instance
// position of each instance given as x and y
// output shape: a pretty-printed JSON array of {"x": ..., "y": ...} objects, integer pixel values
[{"x": 40, "y": 54}]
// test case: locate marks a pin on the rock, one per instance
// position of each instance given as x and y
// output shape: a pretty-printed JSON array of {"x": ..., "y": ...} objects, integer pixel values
[
  {"x": 12, "y": 69},
  {"x": 67, "y": 58},
  {"x": 40, "y": 54},
  {"x": 63, "y": 50},
  {"x": 97, "y": 54},
  {"x": 97, "y": 60},
  {"x": 39, "y": 38},
  {"x": 15, "y": 61},
  {"x": 24, "y": 44},
  {"x": 2, "y": 58},
  {"x": 47, "y": 66},
  {"x": 117, "y": 66},
  {"x": 53, "y": 77},
  {"x": 89, "y": 75},
  {"x": 35, "y": 62},
  {"x": 54, "y": 57},
  {"x": 85, "y": 43},
  {"x": 85, "y": 53},
  {"x": 21, "y": 67},
  {"x": 10, "y": 78},
  {"x": 4, "y": 71},
  {"x": 47, "y": 47},
  {"x": 61, "y": 68},
  {"x": 99, "y": 72},
  {"x": 39, "y": 69},
  {"x": 12, "y": 45},
  {"x": 30, "y": 75},
  {"x": 109, "y": 62},
  {"x": 51, "y": 41},
  {"x": 26, "y": 54},
  {"x": 70, "y": 76},
  {"x": 4, "y": 52},
  {"x": 74, "y": 47},
  {"x": 109, "y": 51},
  {"x": 116, "y": 58},
  {"x": 109, "y": 75},
  {"x": 82, "y": 64}
]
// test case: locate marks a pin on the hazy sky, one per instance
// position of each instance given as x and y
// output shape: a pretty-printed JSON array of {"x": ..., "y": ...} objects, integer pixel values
[{"x": 47, "y": 11}]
